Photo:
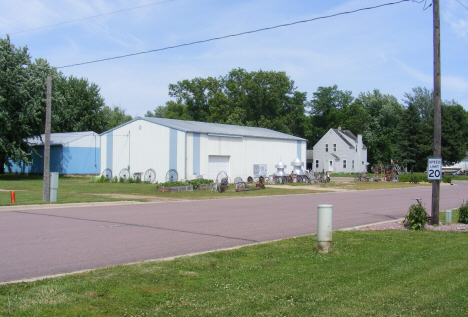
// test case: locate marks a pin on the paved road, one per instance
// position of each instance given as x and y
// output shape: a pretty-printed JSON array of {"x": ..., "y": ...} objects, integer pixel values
[{"x": 41, "y": 242}]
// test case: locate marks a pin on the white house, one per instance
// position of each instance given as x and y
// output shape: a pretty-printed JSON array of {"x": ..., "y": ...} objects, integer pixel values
[
  {"x": 340, "y": 151},
  {"x": 196, "y": 148}
]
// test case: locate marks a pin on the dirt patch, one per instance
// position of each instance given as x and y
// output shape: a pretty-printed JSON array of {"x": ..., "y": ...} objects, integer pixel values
[{"x": 398, "y": 225}]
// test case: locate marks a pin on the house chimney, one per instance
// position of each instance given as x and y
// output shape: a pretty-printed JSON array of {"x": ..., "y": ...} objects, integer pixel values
[{"x": 339, "y": 128}]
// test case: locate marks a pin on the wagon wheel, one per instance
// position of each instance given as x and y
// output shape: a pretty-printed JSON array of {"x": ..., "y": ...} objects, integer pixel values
[
  {"x": 284, "y": 179},
  {"x": 261, "y": 179},
  {"x": 237, "y": 180},
  {"x": 221, "y": 175},
  {"x": 249, "y": 180},
  {"x": 124, "y": 173},
  {"x": 172, "y": 176},
  {"x": 299, "y": 178},
  {"x": 150, "y": 176},
  {"x": 107, "y": 173}
]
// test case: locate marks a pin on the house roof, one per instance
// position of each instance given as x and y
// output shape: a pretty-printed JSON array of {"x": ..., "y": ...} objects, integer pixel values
[
  {"x": 345, "y": 134},
  {"x": 58, "y": 138},
  {"x": 217, "y": 129}
]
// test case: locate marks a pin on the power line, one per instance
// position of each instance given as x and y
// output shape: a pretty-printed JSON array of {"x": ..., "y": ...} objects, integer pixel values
[
  {"x": 233, "y": 35},
  {"x": 94, "y": 16},
  {"x": 462, "y": 4}
]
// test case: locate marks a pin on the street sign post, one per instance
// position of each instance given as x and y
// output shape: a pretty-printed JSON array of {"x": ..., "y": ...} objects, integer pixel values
[{"x": 434, "y": 169}]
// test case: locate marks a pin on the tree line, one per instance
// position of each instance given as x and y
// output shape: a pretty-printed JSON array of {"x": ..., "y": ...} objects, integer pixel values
[
  {"x": 269, "y": 99},
  {"x": 402, "y": 132},
  {"x": 77, "y": 104}
]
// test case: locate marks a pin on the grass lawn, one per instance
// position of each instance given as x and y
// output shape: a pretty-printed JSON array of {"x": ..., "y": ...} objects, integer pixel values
[
  {"x": 369, "y": 273},
  {"x": 80, "y": 189}
]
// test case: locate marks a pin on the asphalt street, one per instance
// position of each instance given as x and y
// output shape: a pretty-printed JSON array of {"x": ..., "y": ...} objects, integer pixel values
[{"x": 47, "y": 241}]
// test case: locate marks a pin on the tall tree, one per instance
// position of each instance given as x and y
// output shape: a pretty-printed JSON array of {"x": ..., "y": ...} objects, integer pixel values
[
  {"x": 384, "y": 115},
  {"x": 113, "y": 117},
  {"x": 265, "y": 99},
  {"x": 22, "y": 101},
  {"x": 82, "y": 106},
  {"x": 327, "y": 110}
]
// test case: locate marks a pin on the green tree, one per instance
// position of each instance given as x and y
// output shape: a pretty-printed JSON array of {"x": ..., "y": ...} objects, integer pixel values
[
  {"x": 22, "y": 101},
  {"x": 383, "y": 116},
  {"x": 113, "y": 117},
  {"x": 265, "y": 99},
  {"x": 328, "y": 109},
  {"x": 172, "y": 110},
  {"x": 82, "y": 106}
]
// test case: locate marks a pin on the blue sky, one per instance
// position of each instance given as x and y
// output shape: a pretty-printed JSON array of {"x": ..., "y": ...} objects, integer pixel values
[{"x": 389, "y": 48}]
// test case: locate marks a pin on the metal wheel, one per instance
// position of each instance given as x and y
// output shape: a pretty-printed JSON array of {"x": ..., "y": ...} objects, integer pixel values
[
  {"x": 107, "y": 173},
  {"x": 150, "y": 176},
  {"x": 172, "y": 176},
  {"x": 221, "y": 175},
  {"x": 124, "y": 173},
  {"x": 249, "y": 180},
  {"x": 237, "y": 180},
  {"x": 300, "y": 178}
]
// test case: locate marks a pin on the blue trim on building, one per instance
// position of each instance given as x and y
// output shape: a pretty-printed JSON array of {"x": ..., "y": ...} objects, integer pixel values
[
  {"x": 109, "y": 150},
  {"x": 299, "y": 149},
  {"x": 173, "y": 149},
  {"x": 196, "y": 153}
]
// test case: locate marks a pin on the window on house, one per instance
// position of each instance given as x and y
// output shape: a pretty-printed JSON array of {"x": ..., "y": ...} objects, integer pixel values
[
  {"x": 352, "y": 164},
  {"x": 344, "y": 163},
  {"x": 316, "y": 163},
  {"x": 334, "y": 147},
  {"x": 362, "y": 162},
  {"x": 326, "y": 147}
]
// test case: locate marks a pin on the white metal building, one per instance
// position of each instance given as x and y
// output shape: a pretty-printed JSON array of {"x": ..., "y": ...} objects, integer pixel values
[{"x": 197, "y": 148}]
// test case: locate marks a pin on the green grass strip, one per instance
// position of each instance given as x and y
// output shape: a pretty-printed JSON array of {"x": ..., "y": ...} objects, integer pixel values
[{"x": 373, "y": 273}]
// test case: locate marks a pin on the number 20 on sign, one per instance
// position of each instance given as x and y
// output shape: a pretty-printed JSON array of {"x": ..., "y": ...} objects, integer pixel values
[{"x": 434, "y": 169}]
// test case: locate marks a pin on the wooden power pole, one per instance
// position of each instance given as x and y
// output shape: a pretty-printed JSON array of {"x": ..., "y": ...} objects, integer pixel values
[
  {"x": 437, "y": 111},
  {"x": 46, "y": 179}
]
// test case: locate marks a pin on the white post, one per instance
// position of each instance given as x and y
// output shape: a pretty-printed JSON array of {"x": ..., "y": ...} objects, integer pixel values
[
  {"x": 324, "y": 228},
  {"x": 448, "y": 216}
]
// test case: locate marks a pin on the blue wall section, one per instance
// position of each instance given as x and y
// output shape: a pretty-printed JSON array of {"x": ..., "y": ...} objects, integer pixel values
[
  {"x": 64, "y": 160},
  {"x": 173, "y": 149},
  {"x": 299, "y": 149},
  {"x": 109, "y": 151},
  {"x": 196, "y": 153}
]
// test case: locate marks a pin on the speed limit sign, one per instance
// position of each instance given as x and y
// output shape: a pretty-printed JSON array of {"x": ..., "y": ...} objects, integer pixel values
[{"x": 434, "y": 169}]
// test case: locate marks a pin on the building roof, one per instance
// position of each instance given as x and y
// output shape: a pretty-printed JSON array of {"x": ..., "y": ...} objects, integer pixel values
[
  {"x": 218, "y": 129},
  {"x": 58, "y": 138},
  {"x": 345, "y": 134}
]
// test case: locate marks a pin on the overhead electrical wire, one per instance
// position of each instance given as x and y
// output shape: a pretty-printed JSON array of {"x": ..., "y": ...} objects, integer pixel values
[
  {"x": 462, "y": 4},
  {"x": 232, "y": 35},
  {"x": 90, "y": 17}
]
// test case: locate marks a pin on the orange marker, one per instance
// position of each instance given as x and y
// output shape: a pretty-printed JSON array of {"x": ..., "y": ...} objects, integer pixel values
[{"x": 13, "y": 198}]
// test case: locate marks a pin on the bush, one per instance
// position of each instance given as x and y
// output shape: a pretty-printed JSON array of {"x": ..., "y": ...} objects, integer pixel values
[
  {"x": 447, "y": 179},
  {"x": 114, "y": 179},
  {"x": 416, "y": 218},
  {"x": 138, "y": 180},
  {"x": 130, "y": 180},
  {"x": 122, "y": 180},
  {"x": 463, "y": 213},
  {"x": 196, "y": 182}
]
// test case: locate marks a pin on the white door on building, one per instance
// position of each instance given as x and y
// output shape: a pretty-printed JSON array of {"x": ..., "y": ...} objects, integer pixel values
[
  {"x": 330, "y": 165},
  {"x": 217, "y": 164}
]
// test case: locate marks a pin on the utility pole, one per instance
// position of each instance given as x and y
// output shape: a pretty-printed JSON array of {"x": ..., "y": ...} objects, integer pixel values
[
  {"x": 46, "y": 179},
  {"x": 437, "y": 111}
]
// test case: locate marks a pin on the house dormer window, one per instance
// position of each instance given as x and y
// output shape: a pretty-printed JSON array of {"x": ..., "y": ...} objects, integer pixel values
[
  {"x": 326, "y": 147},
  {"x": 334, "y": 147}
]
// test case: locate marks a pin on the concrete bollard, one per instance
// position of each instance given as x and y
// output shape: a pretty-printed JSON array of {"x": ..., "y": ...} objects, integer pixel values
[
  {"x": 448, "y": 216},
  {"x": 324, "y": 228},
  {"x": 54, "y": 179}
]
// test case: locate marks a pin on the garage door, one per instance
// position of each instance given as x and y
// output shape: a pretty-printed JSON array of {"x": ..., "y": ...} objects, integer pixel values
[{"x": 217, "y": 164}]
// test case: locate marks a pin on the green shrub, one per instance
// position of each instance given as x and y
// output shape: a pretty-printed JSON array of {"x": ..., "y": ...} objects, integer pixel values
[
  {"x": 102, "y": 179},
  {"x": 447, "y": 179},
  {"x": 138, "y": 180},
  {"x": 463, "y": 213},
  {"x": 196, "y": 182},
  {"x": 416, "y": 218},
  {"x": 114, "y": 179},
  {"x": 122, "y": 180},
  {"x": 173, "y": 184},
  {"x": 130, "y": 180}
]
